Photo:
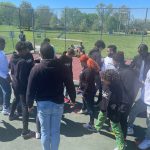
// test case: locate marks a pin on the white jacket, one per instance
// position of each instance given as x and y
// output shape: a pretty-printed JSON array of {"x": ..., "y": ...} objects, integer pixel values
[{"x": 147, "y": 89}]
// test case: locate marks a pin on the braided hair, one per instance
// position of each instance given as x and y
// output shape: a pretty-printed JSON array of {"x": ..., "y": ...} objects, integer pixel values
[{"x": 111, "y": 75}]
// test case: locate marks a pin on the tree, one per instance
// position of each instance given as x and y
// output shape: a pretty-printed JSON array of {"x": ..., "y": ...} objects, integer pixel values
[
  {"x": 43, "y": 17},
  {"x": 8, "y": 13},
  {"x": 26, "y": 15},
  {"x": 72, "y": 18}
]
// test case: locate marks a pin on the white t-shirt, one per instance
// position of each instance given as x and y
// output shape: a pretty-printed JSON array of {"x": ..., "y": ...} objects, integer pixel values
[
  {"x": 3, "y": 65},
  {"x": 108, "y": 64},
  {"x": 147, "y": 89}
]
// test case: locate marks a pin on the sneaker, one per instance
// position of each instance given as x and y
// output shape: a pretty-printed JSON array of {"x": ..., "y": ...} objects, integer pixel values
[
  {"x": 82, "y": 111},
  {"x": 130, "y": 131},
  {"x": 66, "y": 100},
  {"x": 144, "y": 144},
  {"x": 89, "y": 127},
  {"x": 14, "y": 117},
  {"x": 38, "y": 135},
  {"x": 1, "y": 107},
  {"x": 123, "y": 148},
  {"x": 28, "y": 135},
  {"x": 6, "y": 112}
]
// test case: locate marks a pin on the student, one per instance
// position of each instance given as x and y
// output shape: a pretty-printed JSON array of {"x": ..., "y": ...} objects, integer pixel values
[
  {"x": 95, "y": 53},
  {"x": 108, "y": 61},
  {"x": 145, "y": 144},
  {"x": 87, "y": 82},
  {"x": 22, "y": 36},
  {"x": 129, "y": 82},
  {"x": 20, "y": 65},
  {"x": 140, "y": 65},
  {"x": 4, "y": 79},
  {"x": 111, "y": 97},
  {"x": 46, "y": 85},
  {"x": 66, "y": 60}
]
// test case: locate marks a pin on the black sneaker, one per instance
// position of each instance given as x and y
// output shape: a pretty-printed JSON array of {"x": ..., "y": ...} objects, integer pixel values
[
  {"x": 28, "y": 135},
  {"x": 14, "y": 117},
  {"x": 89, "y": 127}
]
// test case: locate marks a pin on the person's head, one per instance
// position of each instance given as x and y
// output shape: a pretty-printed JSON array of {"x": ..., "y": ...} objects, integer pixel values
[
  {"x": 21, "y": 32},
  {"x": 82, "y": 52},
  {"x": 21, "y": 48},
  {"x": 46, "y": 40},
  {"x": 143, "y": 50},
  {"x": 110, "y": 76},
  {"x": 2, "y": 43},
  {"x": 118, "y": 58},
  {"x": 91, "y": 64},
  {"x": 83, "y": 59},
  {"x": 64, "y": 53},
  {"x": 81, "y": 43},
  {"x": 111, "y": 50},
  {"x": 70, "y": 52},
  {"x": 100, "y": 44},
  {"x": 47, "y": 51}
]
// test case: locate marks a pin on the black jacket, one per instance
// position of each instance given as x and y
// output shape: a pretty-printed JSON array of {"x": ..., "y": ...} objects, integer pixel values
[
  {"x": 20, "y": 68},
  {"x": 130, "y": 84},
  {"x": 136, "y": 64},
  {"x": 115, "y": 101},
  {"x": 67, "y": 62},
  {"x": 87, "y": 81},
  {"x": 46, "y": 83}
]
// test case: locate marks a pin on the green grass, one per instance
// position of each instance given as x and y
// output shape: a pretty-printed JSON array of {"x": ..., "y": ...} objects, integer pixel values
[{"x": 128, "y": 44}]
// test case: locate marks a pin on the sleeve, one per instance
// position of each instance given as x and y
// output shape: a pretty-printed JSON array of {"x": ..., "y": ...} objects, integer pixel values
[
  {"x": 31, "y": 88},
  {"x": 89, "y": 80},
  {"x": 22, "y": 76},
  {"x": 68, "y": 82}
]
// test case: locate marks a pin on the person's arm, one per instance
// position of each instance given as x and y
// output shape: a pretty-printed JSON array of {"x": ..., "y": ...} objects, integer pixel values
[
  {"x": 68, "y": 81},
  {"x": 31, "y": 88},
  {"x": 89, "y": 79}
]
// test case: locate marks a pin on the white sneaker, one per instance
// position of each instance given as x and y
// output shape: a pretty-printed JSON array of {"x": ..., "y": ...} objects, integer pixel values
[
  {"x": 144, "y": 144},
  {"x": 38, "y": 135},
  {"x": 5, "y": 112},
  {"x": 130, "y": 131},
  {"x": 82, "y": 111}
]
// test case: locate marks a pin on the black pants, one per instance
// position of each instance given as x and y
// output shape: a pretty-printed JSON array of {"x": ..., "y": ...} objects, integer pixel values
[
  {"x": 89, "y": 100},
  {"x": 124, "y": 122},
  {"x": 25, "y": 113}
]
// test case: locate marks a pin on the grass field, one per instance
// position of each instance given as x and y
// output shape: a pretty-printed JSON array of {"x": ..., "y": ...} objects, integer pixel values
[{"x": 128, "y": 44}]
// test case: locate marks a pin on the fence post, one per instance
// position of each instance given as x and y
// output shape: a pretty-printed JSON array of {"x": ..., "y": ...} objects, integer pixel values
[
  {"x": 33, "y": 29},
  {"x": 144, "y": 24},
  {"x": 65, "y": 28},
  {"x": 19, "y": 20}
]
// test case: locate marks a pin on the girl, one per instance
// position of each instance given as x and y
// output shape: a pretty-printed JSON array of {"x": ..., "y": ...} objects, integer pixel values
[{"x": 87, "y": 84}]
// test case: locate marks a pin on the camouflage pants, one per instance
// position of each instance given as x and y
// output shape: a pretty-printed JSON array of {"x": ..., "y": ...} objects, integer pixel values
[{"x": 116, "y": 128}]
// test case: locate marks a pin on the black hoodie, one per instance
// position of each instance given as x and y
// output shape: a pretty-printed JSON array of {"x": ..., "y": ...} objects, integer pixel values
[
  {"x": 46, "y": 83},
  {"x": 20, "y": 68}
]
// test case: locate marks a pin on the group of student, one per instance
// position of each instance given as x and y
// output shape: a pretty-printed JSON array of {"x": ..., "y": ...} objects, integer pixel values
[
  {"x": 119, "y": 85},
  {"x": 43, "y": 80}
]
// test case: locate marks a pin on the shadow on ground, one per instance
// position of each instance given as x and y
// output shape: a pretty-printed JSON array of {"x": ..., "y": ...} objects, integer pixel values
[
  {"x": 70, "y": 128},
  {"x": 9, "y": 133}
]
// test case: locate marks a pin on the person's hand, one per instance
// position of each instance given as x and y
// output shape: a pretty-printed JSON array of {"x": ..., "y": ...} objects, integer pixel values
[
  {"x": 30, "y": 109},
  {"x": 113, "y": 106},
  {"x": 72, "y": 104}
]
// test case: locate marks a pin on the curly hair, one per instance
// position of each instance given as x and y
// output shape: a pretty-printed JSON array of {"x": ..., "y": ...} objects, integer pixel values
[
  {"x": 20, "y": 46},
  {"x": 110, "y": 75}
]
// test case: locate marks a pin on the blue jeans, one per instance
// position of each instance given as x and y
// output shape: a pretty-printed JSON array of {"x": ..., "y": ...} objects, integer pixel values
[
  {"x": 50, "y": 114},
  {"x": 6, "y": 92}
]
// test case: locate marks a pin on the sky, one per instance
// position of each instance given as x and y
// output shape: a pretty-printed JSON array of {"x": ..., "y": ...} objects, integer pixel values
[{"x": 84, "y": 3}]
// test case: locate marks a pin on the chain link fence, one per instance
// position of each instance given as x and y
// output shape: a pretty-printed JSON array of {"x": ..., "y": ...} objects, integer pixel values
[{"x": 125, "y": 27}]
